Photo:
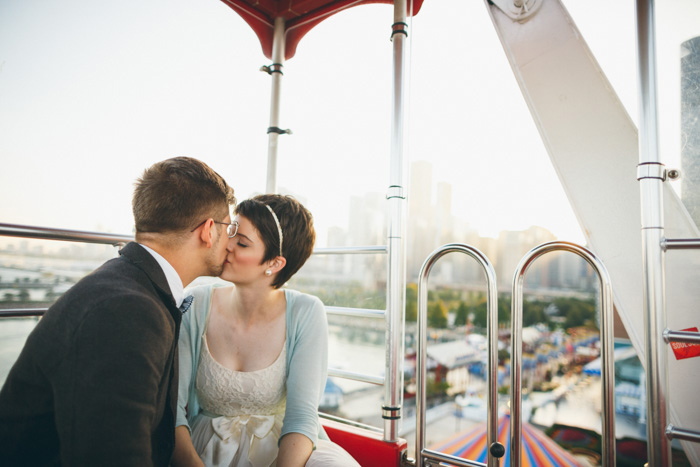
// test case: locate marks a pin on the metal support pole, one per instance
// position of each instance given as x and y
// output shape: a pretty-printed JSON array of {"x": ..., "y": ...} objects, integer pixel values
[
  {"x": 651, "y": 185},
  {"x": 273, "y": 132},
  {"x": 396, "y": 196},
  {"x": 606, "y": 355},
  {"x": 495, "y": 449}
]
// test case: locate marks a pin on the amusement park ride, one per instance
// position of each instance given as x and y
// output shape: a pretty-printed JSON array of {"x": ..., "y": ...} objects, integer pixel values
[{"x": 603, "y": 161}]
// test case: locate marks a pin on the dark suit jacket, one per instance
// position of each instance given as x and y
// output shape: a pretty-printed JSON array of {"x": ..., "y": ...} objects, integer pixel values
[{"x": 96, "y": 382}]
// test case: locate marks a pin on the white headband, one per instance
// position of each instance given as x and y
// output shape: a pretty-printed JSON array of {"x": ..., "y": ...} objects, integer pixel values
[{"x": 279, "y": 227}]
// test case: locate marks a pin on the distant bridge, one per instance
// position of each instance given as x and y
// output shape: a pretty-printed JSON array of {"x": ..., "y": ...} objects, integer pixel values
[{"x": 27, "y": 285}]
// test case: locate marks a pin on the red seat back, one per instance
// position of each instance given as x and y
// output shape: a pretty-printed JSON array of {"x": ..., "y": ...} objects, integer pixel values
[{"x": 367, "y": 447}]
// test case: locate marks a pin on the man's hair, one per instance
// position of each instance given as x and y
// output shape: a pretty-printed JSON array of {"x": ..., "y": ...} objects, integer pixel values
[
  {"x": 298, "y": 234},
  {"x": 174, "y": 195}
]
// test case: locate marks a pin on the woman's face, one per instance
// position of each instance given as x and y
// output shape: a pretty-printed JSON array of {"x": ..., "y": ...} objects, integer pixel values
[{"x": 246, "y": 252}]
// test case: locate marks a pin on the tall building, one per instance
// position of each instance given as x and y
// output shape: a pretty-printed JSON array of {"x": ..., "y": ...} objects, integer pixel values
[
  {"x": 420, "y": 236},
  {"x": 690, "y": 126},
  {"x": 511, "y": 247}
]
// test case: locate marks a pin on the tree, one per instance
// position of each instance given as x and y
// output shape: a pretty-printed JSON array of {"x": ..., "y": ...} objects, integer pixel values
[
  {"x": 437, "y": 314},
  {"x": 411, "y": 302},
  {"x": 533, "y": 313},
  {"x": 504, "y": 309},
  {"x": 480, "y": 314},
  {"x": 577, "y": 312},
  {"x": 23, "y": 295},
  {"x": 461, "y": 314}
]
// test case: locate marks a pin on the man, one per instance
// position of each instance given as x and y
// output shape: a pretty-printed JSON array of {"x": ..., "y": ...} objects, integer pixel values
[{"x": 96, "y": 382}]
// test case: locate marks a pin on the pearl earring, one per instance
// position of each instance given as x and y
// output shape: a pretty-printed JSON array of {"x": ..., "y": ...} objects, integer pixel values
[{"x": 268, "y": 272}]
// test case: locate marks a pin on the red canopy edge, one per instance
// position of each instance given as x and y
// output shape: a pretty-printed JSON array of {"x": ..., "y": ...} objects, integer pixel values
[{"x": 300, "y": 17}]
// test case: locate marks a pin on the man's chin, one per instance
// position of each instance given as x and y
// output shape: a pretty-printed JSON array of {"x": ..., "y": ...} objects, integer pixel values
[{"x": 216, "y": 270}]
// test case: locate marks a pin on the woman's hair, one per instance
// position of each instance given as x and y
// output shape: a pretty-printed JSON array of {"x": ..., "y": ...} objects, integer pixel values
[{"x": 297, "y": 237}]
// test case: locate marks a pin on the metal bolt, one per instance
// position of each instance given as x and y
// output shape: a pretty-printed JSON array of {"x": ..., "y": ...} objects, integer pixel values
[{"x": 673, "y": 174}]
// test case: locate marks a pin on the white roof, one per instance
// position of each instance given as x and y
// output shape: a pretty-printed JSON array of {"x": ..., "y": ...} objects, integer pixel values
[{"x": 453, "y": 354}]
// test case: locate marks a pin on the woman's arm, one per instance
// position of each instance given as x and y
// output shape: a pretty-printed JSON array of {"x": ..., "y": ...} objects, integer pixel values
[
  {"x": 184, "y": 454},
  {"x": 308, "y": 366},
  {"x": 295, "y": 450}
]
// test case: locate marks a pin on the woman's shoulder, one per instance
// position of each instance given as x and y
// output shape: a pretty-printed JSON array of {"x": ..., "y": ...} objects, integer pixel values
[
  {"x": 204, "y": 290},
  {"x": 302, "y": 301},
  {"x": 306, "y": 315},
  {"x": 201, "y": 304}
]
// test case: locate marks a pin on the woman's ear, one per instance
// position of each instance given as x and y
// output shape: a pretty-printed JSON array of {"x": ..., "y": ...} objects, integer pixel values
[{"x": 277, "y": 264}]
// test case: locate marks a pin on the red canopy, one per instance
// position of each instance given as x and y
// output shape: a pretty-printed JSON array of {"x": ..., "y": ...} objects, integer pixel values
[{"x": 300, "y": 16}]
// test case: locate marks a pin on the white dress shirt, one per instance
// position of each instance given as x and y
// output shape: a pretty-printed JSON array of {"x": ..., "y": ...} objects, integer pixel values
[{"x": 171, "y": 276}]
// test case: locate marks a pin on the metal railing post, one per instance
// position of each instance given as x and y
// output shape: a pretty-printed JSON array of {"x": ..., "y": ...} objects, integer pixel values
[
  {"x": 495, "y": 448},
  {"x": 606, "y": 340},
  {"x": 396, "y": 199},
  {"x": 273, "y": 131},
  {"x": 651, "y": 175}
]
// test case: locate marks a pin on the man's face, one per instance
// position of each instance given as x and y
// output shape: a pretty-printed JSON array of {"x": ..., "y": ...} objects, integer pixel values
[{"x": 217, "y": 254}]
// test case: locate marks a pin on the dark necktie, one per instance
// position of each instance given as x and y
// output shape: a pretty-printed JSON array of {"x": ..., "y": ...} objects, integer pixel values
[{"x": 186, "y": 304}]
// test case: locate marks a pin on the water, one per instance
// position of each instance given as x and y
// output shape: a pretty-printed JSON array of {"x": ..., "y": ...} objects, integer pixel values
[{"x": 13, "y": 334}]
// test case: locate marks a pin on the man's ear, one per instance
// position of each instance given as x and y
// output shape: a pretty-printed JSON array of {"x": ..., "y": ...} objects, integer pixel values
[
  {"x": 205, "y": 233},
  {"x": 277, "y": 264}
]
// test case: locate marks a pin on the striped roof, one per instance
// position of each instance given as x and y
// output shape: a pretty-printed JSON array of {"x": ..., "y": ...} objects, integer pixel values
[{"x": 539, "y": 450}]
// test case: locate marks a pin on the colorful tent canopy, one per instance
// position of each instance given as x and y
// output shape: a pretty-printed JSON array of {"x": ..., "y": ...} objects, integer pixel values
[
  {"x": 538, "y": 449},
  {"x": 620, "y": 353},
  {"x": 300, "y": 16}
]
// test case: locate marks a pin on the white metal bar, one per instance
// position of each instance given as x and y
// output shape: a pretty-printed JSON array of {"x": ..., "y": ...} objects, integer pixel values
[
  {"x": 680, "y": 243},
  {"x": 22, "y": 312},
  {"x": 278, "y": 46},
  {"x": 356, "y": 312},
  {"x": 349, "y": 422},
  {"x": 681, "y": 336},
  {"x": 673, "y": 432},
  {"x": 441, "y": 457},
  {"x": 396, "y": 280},
  {"x": 47, "y": 233},
  {"x": 352, "y": 250},
  {"x": 658, "y": 445},
  {"x": 364, "y": 378}
]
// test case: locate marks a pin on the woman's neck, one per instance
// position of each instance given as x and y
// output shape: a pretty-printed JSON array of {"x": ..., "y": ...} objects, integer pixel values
[{"x": 250, "y": 303}]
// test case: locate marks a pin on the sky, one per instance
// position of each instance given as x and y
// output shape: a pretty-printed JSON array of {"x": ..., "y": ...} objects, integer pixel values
[{"x": 91, "y": 93}]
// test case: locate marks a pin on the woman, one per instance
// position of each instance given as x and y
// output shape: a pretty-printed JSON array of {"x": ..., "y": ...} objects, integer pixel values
[{"x": 253, "y": 356}]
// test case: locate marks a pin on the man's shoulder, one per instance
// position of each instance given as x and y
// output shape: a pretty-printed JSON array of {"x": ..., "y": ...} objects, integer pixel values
[
  {"x": 117, "y": 284},
  {"x": 116, "y": 276}
]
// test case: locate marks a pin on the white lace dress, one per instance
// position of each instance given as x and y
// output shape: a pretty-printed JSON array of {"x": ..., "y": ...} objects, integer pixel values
[{"x": 242, "y": 412}]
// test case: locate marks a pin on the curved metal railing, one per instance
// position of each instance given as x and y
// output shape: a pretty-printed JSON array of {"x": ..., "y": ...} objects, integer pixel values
[
  {"x": 606, "y": 339},
  {"x": 495, "y": 448}
]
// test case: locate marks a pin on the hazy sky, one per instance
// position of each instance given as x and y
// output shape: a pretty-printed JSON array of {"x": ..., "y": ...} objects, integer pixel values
[{"x": 93, "y": 92}]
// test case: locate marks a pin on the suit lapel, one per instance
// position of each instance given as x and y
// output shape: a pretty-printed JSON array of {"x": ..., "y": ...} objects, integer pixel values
[
  {"x": 137, "y": 255},
  {"x": 134, "y": 253}
]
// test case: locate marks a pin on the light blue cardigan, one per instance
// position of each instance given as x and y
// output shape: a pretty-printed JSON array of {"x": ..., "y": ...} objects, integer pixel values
[{"x": 307, "y": 360}]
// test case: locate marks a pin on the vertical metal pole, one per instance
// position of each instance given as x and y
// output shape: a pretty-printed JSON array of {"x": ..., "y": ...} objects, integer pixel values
[
  {"x": 396, "y": 196},
  {"x": 273, "y": 132},
  {"x": 651, "y": 177},
  {"x": 516, "y": 361}
]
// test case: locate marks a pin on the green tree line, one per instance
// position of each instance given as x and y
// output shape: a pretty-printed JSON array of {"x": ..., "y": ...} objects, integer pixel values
[{"x": 564, "y": 312}]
